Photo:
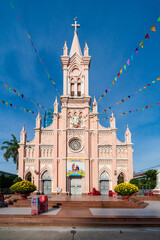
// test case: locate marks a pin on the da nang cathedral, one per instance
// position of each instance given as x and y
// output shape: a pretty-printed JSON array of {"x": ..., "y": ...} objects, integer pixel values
[{"x": 75, "y": 153}]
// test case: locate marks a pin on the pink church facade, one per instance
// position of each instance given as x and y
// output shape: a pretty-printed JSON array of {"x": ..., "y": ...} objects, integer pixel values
[{"x": 75, "y": 153}]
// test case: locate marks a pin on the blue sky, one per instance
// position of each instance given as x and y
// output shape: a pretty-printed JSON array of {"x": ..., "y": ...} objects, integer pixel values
[{"x": 113, "y": 30}]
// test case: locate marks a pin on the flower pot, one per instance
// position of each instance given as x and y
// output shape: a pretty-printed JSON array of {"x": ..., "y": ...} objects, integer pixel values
[
  {"x": 125, "y": 197},
  {"x": 24, "y": 196}
]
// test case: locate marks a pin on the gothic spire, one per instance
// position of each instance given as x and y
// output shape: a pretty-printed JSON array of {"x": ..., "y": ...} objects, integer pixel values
[
  {"x": 23, "y": 135},
  {"x": 75, "y": 44},
  {"x": 127, "y": 135},
  {"x": 112, "y": 121},
  {"x": 56, "y": 106},
  {"x": 65, "y": 49},
  {"x": 94, "y": 105},
  {"x": 86, "y": 50},
  {"x": 38, "y": 120}
]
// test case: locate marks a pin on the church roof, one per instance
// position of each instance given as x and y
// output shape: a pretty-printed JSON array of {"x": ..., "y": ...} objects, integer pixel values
[{"x": 75, "y": 45}]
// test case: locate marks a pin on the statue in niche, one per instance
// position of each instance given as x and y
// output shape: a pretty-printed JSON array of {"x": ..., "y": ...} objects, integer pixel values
[{"x": 75, "y": 120}]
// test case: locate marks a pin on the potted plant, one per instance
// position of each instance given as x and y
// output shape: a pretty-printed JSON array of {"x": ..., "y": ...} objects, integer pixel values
[
  {"x": 23, "y": 188},
  {"x": 126, "y": 190}
]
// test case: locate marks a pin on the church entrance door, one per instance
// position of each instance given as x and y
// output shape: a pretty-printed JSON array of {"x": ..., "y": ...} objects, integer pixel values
[
  {"x": 76, "y": 185},
  {"x": 104, "y": 184},
  {"x": 104, "y": 187},
  {"x": 47, "y": 187},
  {"x": 46, "y": 183}
]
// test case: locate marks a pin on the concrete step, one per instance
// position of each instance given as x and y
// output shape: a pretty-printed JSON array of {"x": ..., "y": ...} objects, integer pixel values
[
  {"x": 85, "y": 204},
  {"x": 79, "y": 221}
]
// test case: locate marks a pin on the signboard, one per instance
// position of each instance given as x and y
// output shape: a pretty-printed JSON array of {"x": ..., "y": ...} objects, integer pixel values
[{"x": 75, "y": 167}]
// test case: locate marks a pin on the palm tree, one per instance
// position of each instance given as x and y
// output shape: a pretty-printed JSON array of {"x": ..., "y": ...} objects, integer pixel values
[{"x": 11, "y": 148}]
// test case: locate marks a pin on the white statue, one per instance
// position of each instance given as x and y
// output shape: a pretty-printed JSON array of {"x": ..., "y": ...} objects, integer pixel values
[
  {"x": 75, "y": 120},
  {"x": 158, "y": 180}
]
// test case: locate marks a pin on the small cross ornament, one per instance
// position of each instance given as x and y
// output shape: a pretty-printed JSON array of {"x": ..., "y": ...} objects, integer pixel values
[{"x": 75, "y": 25}]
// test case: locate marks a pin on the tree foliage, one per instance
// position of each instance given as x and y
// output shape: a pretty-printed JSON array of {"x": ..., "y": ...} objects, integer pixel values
[
  {"x": 11, "y": 149},
  {"x": 148, "y": 181},
  {"x": 6, "y": 181}
]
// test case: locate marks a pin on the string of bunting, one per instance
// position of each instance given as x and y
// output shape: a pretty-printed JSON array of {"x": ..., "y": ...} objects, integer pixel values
[
  {"x": 23, "y": 109},
  {"x": 130, "y": 111},
  {"x": 22, "y": 95},
  {"x": 35, "y": 50},
  {"x": 122, "y": 101},
  {"x": 127, "y": 64},
  {"x": 129, "y": 96},
  {"x": 135, "y": 110}
]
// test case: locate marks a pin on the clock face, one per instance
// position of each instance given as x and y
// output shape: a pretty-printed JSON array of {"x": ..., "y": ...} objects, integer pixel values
[{"x": 75, "y": 145}]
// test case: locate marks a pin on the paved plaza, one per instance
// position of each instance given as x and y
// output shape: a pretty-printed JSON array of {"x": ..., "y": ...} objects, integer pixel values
[
  {"x": 68, "y": 233},
  {"x": 153, "y": 209}
]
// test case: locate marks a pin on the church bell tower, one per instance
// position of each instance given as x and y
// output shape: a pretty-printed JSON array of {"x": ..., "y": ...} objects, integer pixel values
[{"x": 75, "y": 67}]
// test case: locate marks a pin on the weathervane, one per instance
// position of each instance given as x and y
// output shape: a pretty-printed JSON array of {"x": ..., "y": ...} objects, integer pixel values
[{"x": 75, "y": 25}]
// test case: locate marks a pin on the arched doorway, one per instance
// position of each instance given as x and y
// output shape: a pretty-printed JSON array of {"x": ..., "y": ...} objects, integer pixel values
[
  {"x": 104, "y": 183},
  {"x": 120, "y": 178},
  {"x": 28, "y": 177},
  {"x": 46, "y": 179}
]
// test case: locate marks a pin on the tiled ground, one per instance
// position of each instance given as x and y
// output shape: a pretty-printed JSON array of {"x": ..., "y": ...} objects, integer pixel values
[
  {"x": 153, "y": 209},
  {"x": 25, "y": 211}
]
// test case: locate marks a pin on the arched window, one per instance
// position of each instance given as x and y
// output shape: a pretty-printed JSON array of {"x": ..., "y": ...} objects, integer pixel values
[
  {"x": 81, "y": 119},
  {"x": 79, "y": 89},
  {"x": 46, "y": 175},
  {"x": 72, "y": 89},
  {"x": 28, "y": 176},
  {"x": 104, "y": 176}
]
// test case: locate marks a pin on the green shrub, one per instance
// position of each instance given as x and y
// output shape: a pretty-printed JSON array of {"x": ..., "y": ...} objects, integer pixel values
[
  {"x": 23, "y": 187},
  {"x": 135, "y": 181},
  {"x": 17, "y": 179}
]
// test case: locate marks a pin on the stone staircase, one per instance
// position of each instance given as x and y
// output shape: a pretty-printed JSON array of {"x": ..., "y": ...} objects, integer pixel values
[{"x": 82, "y": 204}]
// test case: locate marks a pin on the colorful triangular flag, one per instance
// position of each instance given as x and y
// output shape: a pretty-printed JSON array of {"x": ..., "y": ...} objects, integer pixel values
[
  {"x": 141, "y": 44},
  {"x": 147, "y": 36},
  {"x": 124, "y": 66},
  {"x": 136, "y": 51},
  {"x": 121, "y": 71},
  {"x": 153, "y": 28},
  {"x": 128, "y": 62},
  {"x": 158, "y": 20}
]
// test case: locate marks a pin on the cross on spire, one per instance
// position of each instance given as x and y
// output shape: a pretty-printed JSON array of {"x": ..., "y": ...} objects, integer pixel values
[{"x": 75, "y": 25}]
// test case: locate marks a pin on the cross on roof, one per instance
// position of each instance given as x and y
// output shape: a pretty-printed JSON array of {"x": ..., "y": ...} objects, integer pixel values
[{"x": 75, "y": 25}]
